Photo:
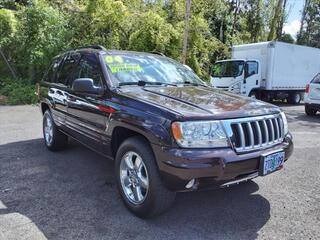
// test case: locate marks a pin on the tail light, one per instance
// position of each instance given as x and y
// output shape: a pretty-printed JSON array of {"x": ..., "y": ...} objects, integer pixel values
[{"x": 308, "y": 88}]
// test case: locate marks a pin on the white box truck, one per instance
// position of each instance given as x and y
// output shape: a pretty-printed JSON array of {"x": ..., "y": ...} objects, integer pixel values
[{"x": 267, "y": 70}]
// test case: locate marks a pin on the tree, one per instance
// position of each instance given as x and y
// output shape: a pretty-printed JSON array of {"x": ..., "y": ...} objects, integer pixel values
[
  {"x": 286, "y": 38},
  {"x": 7, "y": 29},
  {"x": 41, "y": 33},
  {"x": 309, "y": 33},
  {"x": 275, "y": 21}
]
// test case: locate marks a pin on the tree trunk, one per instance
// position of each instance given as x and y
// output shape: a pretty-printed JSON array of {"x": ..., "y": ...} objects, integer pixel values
[
  {"x": 303, "y": 17},
  {"x": 275, "y": 21},
  {"x": 186, "y": 32},
  {"x": 280, "y": 27}
]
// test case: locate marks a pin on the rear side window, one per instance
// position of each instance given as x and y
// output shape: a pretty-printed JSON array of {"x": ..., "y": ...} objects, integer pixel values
[
  {"x": 66, "y": 71},
  {"x": 52, "y": 72},
  {"x": 316, "y": 79},
  {"x": 89, "y": 67}
]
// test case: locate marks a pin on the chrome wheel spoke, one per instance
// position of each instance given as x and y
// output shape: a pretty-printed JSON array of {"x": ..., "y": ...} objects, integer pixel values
[
  {"x": 137, "y": 193},
  {"x": 144, "y": 182},
  {"x": 138, "y": 163},
  {"x": 129, "y": 162},
  {"x": 126, "y": 181}
]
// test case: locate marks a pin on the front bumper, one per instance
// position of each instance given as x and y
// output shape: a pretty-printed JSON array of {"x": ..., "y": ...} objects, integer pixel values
[{"x": 211, "y": 168}]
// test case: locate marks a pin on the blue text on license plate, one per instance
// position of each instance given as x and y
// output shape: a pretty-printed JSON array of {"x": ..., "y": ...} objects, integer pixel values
[{"x": 272, "y": 162}]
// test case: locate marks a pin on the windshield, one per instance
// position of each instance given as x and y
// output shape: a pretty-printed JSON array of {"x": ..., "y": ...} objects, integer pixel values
[
  {"x": 128, "y": 68},
  {"x": 227, "y": 69}
]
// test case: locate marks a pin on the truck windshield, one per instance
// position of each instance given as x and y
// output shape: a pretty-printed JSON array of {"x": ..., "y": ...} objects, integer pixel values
[
  {"x": 131, "y": 68},
  {"x": 227, "y": 69}
]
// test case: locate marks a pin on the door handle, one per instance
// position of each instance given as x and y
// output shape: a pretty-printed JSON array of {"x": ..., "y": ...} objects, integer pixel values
[
  {"x": 59, "y": 92},
  {"x": 71, "y": 99}
]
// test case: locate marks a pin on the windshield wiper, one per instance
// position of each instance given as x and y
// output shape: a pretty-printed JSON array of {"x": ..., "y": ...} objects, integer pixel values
[{"x": 144, "y": 83}]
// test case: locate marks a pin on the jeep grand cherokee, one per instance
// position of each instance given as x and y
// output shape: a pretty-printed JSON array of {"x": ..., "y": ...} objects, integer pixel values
[{"x": 165, "y": 128}]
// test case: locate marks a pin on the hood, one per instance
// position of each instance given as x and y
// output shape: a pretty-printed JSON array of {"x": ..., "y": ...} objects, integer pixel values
[{"x": 200, "y": 102}]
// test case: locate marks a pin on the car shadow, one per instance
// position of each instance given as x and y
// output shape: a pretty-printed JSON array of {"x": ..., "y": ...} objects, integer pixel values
[{"x": 72, "y": 195}]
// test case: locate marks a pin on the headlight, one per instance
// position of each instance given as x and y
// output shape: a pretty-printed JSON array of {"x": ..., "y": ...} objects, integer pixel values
[
  {"x": 285, "y": 123},
  {"x": 199, "y": 134}
]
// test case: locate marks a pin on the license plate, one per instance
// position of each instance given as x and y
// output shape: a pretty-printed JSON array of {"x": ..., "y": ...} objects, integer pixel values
[{"x": 271, "y": 163}]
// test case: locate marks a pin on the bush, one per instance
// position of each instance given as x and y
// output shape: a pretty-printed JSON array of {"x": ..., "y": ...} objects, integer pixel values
[{"x": 17, "y": 92}]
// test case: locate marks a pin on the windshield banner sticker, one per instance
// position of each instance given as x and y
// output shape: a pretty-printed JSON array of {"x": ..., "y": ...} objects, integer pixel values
[{"x": 115, "y": 68}]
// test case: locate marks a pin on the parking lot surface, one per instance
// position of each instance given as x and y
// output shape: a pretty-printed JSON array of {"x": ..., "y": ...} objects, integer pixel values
[{"x": 72, "y": 194}]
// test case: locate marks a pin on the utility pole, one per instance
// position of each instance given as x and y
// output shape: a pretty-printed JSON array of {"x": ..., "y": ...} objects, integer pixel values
[{"x": 186, "y": 32}]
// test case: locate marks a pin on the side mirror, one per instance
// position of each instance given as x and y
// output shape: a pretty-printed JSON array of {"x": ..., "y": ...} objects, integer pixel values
[{"x": 85, "y": 85}]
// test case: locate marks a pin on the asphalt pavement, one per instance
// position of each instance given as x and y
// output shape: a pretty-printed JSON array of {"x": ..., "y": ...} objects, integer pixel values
[{"x": 72, "y": 194}]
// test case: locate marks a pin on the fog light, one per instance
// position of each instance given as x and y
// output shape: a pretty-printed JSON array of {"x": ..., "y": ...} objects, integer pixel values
[{"x": 190, "y": 183}]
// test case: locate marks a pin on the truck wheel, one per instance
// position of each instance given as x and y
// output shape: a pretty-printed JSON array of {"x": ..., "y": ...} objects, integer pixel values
[
  {"x": 53, "y": 138},
  {"x": 254, "y": 95},
  {"x": 138, "y": 179},
  {"x": 294, "y": 98},
  {"x": 310, "y": 111}
]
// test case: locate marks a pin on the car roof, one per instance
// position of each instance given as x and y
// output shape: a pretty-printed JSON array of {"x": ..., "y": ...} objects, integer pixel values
[{"x": 109, "y": 51}]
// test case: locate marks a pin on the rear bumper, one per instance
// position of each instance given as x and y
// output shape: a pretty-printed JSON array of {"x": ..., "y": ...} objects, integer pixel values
[{"x": 211, "y": 168}]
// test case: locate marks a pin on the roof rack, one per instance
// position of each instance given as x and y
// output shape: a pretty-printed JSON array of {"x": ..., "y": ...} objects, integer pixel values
[
  {"x": 158, "y": 53},
  {"x": 98, "y": 47}
]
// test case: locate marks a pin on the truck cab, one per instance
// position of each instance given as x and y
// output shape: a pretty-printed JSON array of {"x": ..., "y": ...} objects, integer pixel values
[{"x": 241, "y": 76}]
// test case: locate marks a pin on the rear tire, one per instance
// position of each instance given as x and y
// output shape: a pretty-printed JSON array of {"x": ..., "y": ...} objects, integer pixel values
[
  {"x": 142, "y": 191},
  {"x": 294, "y": 98},
  {"x": 310, "y": 111},
  {"x": 53, "y": 138}
]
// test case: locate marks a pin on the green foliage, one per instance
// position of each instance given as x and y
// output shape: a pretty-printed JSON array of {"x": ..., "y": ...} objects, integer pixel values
[
  {"x": 34, "y": 31},
  {"x": 287, "y": 38},
  {"x": 17, "y": 92},
  {"x": 7, "y": 25}
]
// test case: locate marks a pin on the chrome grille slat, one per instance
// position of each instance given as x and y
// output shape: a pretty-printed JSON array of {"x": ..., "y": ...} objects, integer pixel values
[
  {"x": 277, "y": 128},
  {"x": 241, "y": 134},
  {"x": 255, "y": 133},
  {"x": 266, "y": 132},
  {"x": 259, "y": 133},
  {"x": 271, "y": 130},
  {"x": 251, "y": 137}
]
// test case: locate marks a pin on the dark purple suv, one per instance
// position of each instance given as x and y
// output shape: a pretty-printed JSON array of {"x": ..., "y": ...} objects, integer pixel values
[{"x": 165, "y": 128}]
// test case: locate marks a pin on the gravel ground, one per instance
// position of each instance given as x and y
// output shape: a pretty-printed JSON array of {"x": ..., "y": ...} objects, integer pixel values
[{"x": 72, "y": 195}]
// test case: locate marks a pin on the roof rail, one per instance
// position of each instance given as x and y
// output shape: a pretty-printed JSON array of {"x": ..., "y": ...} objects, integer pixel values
[
  {"x": 158, "y": 53},
  {"x": 98, "y": 47}
]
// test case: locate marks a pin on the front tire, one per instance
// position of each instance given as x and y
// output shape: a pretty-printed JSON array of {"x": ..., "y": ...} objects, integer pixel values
[
  {"x": 138, "y": 179},
  {"x": 310, "y": 111},
  {"x": 53, "y": 138}
]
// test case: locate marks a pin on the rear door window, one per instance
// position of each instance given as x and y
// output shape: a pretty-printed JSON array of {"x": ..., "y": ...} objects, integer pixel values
[
  {"x": 66, "y": 71},
  {"x": 52, "y": 71}
]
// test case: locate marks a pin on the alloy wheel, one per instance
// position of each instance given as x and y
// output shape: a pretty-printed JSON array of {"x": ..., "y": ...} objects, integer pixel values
[{"x": 134, "y": 177}]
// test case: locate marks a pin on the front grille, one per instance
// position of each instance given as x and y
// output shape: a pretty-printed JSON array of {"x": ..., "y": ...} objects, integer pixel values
[{"x": 256, "y": 133}]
